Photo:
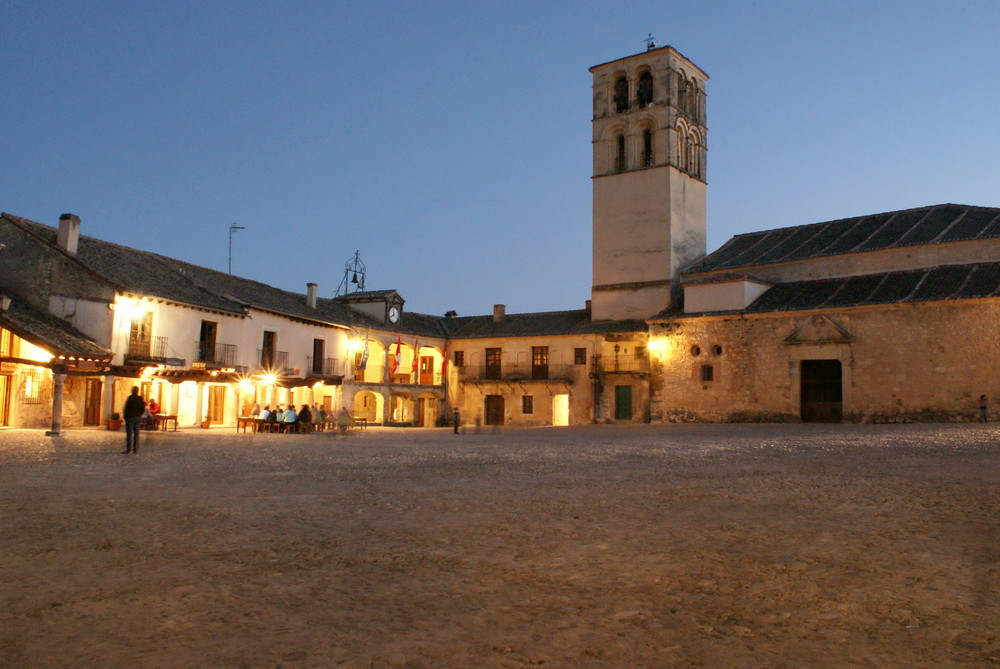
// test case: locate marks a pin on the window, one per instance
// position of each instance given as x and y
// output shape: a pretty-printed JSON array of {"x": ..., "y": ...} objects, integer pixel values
[
  {"x": 31, "y": 391},
  {"x": 539, "y": 362},
  {"x": 620, "y": 154},
  {"x": 707, "y": 373},
  {"x": 319, "y": 353},
  {"x": 6, "y": 342},
  {"x": 683, "y": 148},
  {"x": 640, "y": 350},
  {"x": 644, "y": 91},
  {"x": 579, "y": 356},
  {"x": 621, "y": 94},
  {"x": 267, "y": 349},
  {"x": 647, "y": 148},
  {"x": 716, "y": 350},
  {"x": 460, "y": 358},
  {"x": 527, "y": 404},
  {"x": 206, "y": 341},
  {"x": 695, "y": 351}
]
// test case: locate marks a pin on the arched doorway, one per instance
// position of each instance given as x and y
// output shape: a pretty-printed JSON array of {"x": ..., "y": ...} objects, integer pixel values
[
  {"x": 400, "y": 409},
  {"x": 368, "y": 405}
]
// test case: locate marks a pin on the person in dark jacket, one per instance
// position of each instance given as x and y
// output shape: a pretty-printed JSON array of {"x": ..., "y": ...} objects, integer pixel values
[{"x": 135, "y": 406}]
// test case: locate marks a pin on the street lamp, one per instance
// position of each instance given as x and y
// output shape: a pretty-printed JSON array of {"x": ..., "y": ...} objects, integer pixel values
[{"x": 232, "y": 228}]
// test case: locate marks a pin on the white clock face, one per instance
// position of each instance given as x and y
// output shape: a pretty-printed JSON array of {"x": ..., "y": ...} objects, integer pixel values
[{"x": 393, "y": 314}]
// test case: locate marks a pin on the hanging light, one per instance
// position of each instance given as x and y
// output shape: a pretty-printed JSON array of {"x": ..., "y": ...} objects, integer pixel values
[{"x": 354, "y": 279}]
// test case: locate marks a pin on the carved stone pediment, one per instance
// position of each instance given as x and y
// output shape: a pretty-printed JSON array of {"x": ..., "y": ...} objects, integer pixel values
[{"x": 819, "y": 330}]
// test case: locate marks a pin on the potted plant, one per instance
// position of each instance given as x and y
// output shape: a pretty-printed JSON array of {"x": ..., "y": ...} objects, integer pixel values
[
  {"x": 206, "y": 423},
  {"x": 115, "y": 422}
]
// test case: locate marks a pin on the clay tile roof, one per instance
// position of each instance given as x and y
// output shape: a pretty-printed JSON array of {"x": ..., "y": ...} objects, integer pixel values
[
  {"x": 545, "y": 323},
  {"x": 51, "y": 334},
  {"x": 908, "y": 227}
]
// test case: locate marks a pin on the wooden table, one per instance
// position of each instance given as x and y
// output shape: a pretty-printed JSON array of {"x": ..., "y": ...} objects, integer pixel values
[
  {"x": 163, "y": 419},
  {"x": 244, "y": 421}
]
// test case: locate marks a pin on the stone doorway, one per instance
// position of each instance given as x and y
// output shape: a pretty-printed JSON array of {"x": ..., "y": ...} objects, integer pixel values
[{"x": 821, "y": 391}]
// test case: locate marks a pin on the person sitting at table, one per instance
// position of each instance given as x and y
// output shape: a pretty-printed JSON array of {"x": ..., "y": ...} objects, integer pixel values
[
  {"x": 255, "y": 412},
  {"x": 290, "y": 418},
  {"x": 265, "y": 414},
  {"x": 305, "y": 419},
  {"x": 281, "y": 414},
  {"x": 149, "y": 418}
]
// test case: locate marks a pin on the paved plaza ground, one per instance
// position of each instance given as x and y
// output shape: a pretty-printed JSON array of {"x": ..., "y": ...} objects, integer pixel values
[{"x": 598, "y": 546}]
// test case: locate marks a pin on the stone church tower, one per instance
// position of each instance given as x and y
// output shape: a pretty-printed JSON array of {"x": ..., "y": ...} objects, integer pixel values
[{"x": 649, "y": 180}]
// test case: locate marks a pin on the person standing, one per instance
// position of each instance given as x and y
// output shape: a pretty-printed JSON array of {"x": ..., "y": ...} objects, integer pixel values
[
  {"x": 455, "y": 419},
  {"x": 135, "y": 406},
  {"x": 983, "y": 405}
]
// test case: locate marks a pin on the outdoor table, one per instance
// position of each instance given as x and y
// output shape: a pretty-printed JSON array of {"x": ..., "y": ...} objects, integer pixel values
[
  {"x": 244, "y": 421},
  {"x": 163, "y": 419}
]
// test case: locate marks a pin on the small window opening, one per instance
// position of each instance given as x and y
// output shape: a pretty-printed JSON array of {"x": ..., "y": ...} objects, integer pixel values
[
  {"x": 621, "y": 95},
  {"x": 695, "y": 350},
  {"x": 644, "y": 92},
  {"x": 647, "y": 148},
  {"x": 579, "y": 356},
  {"x": 620, "y": 154},
  {"x": 527, "y": 404},
  {"x": 707, "y": 373},
  {"x": 716, "y": 350}
]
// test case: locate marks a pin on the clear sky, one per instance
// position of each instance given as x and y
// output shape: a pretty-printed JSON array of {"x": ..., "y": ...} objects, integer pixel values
[{"x": 449, "y": 142}]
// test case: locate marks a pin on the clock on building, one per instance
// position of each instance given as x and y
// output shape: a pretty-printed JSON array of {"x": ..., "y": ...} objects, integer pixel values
[{"x": 393, "y": 314}]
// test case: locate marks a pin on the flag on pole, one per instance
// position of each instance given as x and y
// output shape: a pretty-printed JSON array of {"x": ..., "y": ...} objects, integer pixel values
[
  {"x": 394, "y": 360},
  {"x": 363, "y": 365},
  {"x": 444, "y": 364},
  {"x": 416, "y": 354}
]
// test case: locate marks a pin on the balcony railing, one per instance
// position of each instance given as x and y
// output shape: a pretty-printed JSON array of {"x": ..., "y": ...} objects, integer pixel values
[
  {"x": 147, "y": 348},
  {"x": 273, "y": 360},
  {"x": 622, "y": 364},
  {"x": 520, "y": 371},
  {"x": 215, "y": 355},
  {"x": 324, "y": 366}
]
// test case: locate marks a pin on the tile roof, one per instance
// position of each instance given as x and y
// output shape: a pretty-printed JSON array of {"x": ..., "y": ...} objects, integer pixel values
[
  {"x": 545, "y": 323},
  {"x": 50, "y": 333},
  {"x": 908, "y": 227},
  {"x": 946, "y": 282}
]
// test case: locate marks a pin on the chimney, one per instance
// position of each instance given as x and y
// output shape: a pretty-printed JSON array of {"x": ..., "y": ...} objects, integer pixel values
[
  {"x": 311, "y": 295},
  {"x": 498, "y": 311},
  {"x": 69, "y": 233},
  {"x": 586, "y": 305}
]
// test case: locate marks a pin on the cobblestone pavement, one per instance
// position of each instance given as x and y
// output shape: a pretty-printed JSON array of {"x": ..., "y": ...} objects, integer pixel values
[{"x": 598, "y": 546}]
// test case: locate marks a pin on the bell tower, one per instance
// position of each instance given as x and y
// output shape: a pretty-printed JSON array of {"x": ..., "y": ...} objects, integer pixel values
[{"x": 649, "y": 140}]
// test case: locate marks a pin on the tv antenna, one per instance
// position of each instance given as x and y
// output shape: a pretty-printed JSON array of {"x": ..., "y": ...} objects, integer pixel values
[
  {"x": 651, "y": 42},
  {"x": 232, "y": 228},
  {"x": 354, "y": 274}
]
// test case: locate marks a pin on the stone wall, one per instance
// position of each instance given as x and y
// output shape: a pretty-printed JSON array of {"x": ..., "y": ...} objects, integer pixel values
[{"x": 901, "y": 362}]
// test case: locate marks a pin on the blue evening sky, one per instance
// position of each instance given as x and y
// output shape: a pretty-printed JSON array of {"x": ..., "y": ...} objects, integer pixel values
[{"x": 449, "y": 142}]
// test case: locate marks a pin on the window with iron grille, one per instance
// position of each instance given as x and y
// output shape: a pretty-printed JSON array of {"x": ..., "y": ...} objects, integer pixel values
[
  {"x": 579, "y": 356},
  {"x": 527, "y": 404},
  {"x": 460, "y": 358},
  {"x": 6, "y": 341},
  {"x": 31, "y": 387}
]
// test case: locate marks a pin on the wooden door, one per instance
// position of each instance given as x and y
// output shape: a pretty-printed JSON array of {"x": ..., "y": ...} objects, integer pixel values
[
  {"x": 426, "y": 370},
  {"x": 92, "y": 402},
  {"x": 216, "y": 404},
  {"x": 206, "y": 341},
  {"x": 623, "y": 402},
  {"x": 821, "y": 389},
  {"x": 494, "y": 410}
]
